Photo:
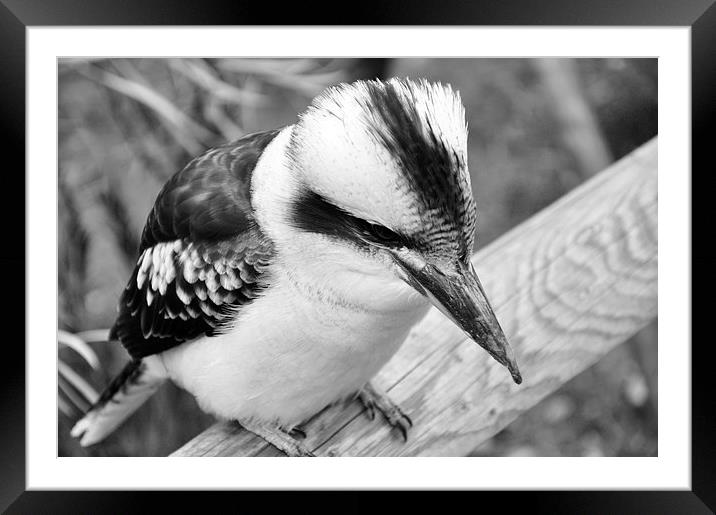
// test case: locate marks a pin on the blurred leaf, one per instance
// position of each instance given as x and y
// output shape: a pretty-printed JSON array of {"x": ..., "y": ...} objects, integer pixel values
[
  {"x": 94, "y": 335},
  {"x": 121, "y": 224},
  {"x": 189, "y": 134},
  {"x": 82, "y": 386},
  {"x": 73, "y": 245},
  {"x": 77, "y": 401},
  {"x": 215, "y": 113},
  {"x": 297, "y": 75},
  {"x": 79, "y": 346},
  {"x": 73, "y": 61},
  {"x": 64, "y": 407},
  {"x": 201, "y": 74}
]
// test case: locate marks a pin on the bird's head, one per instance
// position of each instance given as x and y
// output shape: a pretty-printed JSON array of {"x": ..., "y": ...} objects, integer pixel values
[{"x": 378, "y": 171}]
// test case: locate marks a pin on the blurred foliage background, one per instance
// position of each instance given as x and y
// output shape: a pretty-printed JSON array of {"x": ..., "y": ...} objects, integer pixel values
[{"x": 538, "y": 127}]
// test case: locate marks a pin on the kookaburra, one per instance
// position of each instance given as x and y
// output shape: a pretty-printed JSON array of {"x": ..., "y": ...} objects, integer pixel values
[{"x": 278, "y": 273}]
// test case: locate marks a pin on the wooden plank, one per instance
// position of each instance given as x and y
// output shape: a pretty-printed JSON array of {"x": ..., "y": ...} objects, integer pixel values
[{"x": 568, "y": 285}]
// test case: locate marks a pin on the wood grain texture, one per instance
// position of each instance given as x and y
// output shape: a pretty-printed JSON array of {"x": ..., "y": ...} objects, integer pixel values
[{"x": 568, "y": 285}]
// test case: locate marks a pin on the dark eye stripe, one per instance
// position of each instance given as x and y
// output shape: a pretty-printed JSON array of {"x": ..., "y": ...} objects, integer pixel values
[
  {"x": 384, "y": 235},
  {"x": 311, "y": 212}
]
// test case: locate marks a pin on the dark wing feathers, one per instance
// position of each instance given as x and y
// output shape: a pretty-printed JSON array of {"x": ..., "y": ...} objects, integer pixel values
[
  {"x": 210, "y": 197},
  {"x": 201, "y": 254}
]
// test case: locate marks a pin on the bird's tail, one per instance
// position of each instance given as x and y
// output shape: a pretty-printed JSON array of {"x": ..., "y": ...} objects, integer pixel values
[{"x": 128, "y": 391}]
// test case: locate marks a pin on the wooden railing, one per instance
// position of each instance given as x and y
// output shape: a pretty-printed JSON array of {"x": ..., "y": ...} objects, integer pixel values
[{"x": 568, "y": 285}]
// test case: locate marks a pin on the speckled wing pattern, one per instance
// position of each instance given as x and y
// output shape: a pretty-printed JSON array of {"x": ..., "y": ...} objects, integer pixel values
[{"x": 201, "y": 256}]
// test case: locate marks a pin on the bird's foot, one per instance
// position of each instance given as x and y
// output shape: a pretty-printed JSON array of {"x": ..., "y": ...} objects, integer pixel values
[
  {"x": 373, "y": 399},
  {"x": 283, "y": 441}
]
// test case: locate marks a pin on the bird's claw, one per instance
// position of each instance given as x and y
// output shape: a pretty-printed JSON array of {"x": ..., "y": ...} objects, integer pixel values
[
  {"x": 400, "y": 421},
  {"x": 372, "y": 399},
  {"x": 282, "y": 440}
]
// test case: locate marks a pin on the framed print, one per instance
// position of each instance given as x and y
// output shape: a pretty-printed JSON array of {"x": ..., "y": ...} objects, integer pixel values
[{"x": 436, "y": 237}]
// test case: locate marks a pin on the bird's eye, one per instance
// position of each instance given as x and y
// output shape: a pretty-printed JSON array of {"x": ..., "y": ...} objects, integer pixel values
[{"x": 383, "y": 234}]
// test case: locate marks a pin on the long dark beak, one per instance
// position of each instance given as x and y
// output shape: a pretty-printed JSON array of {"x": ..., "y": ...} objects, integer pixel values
[{"x": 460, "y": 297}]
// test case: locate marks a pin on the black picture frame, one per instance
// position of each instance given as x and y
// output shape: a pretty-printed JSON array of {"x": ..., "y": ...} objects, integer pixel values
[{"x": 17, "y": 15}]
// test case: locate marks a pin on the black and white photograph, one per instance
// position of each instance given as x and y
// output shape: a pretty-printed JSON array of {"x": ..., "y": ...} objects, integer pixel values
[
  {"x": 353, "y": 235},
  {"x": 460, "y": 233},
  {"x": 393, "y": 256}
]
